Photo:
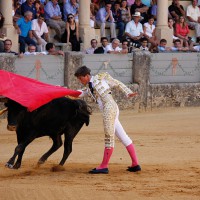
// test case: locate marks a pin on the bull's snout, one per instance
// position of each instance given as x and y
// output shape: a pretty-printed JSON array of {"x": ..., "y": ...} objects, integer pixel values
[{"x": 11, "y": 127}]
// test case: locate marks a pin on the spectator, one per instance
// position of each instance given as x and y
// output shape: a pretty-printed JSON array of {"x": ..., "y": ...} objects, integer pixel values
[
  {"x": 2, "y": 32},
  {"x": 93, "y": 47},
  {"x": 16, "y": 11},
  {"x": 144, "y": 44},
  {"x": 28, "y": 6},
  {"x": 39, "y": 8},
  {"x": 149, "y": 32},
  {"x": 104, "y": 18},
  {"x": 40, "y": 31},
  {"x": 104, "y": 43},
  {"x": 117, "y": 15},
  {"x": 94, "y": 6},
  {"x": 182, "y": 31},
  {"x": 50, "y": 48},
  {"x": 92, "y": 15},
  {"x": 71, "y": 7},
  {"x": 178, "y": 46},
  {"x": 176, "y": 10},
  {"x": 53, "y": 18},
  {"x": 125, "y": 47},
  {"x": 125, "y": 12},
  {"x": 162, "y": 47},
  {"x": 134, "y": 30},
  {"x": 8, "y": 46},
  {"x": 171, "y": 26},
  {"x": 31, "y": 50},
  {"x": 71, "y": 33},
  {"x": 153, "y": 10},
  {"x": 24, "y": 30},
  {"x": 22, "y": 1},
  {"x": 197, "y": 47},
  {"x": 193, "y": 16},
  {"x": 113, "y": 48},
  {"x": 138, "y": 6}
]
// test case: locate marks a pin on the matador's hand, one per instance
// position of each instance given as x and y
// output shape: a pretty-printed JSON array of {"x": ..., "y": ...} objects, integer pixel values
[{"x": 133, "y": 94}]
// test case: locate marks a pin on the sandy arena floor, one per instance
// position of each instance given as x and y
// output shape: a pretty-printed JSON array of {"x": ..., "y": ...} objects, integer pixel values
[{"x": 168, "y": 147}]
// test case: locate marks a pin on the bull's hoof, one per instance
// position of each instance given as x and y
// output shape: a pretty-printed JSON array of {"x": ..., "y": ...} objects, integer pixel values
[
  {"x": 40, "y": 162},
  {"x": 8, "y": 165},
  {"x": 17, "y": 166}
]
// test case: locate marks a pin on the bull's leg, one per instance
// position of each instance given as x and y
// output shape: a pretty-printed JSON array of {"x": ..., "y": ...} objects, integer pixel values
[
  {"x": 67, "y": 149},
  {"x": 11, "y": 161},
  {"x": 57, "y": 143}
]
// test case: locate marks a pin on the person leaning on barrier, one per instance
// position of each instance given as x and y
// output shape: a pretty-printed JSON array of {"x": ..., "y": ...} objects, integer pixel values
[
  {"x": 104, "y": 43},
  {"x": 50, "y": 48},
  {"x": 113, "y": 48},
  {"x": 93, "y": 47}
]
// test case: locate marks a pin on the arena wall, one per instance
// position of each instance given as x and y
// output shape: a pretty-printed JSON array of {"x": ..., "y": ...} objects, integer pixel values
[{"x": 161, "y": 80}]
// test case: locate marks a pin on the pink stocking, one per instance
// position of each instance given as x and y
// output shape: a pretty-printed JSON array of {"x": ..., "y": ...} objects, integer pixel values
[
  {"x": 106, "y": 158},
  {"x": 131, "y": 150}
]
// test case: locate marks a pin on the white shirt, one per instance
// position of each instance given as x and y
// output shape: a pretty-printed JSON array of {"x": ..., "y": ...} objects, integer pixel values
[
  {"x": 110, "y": 48},
  {"x": 132, "y": 29},
  {"x": 194, "y": 13},
  {"x": 149, "y": 29},
  {"x": 39, "y": 30}
]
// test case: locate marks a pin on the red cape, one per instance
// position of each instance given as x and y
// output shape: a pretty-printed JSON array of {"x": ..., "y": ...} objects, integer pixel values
[{"x": 29, "y": 92}]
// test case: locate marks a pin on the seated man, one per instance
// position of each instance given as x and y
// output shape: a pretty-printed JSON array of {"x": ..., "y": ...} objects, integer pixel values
[
  {"x": 32, "y": 51},
  {"x": 93, "y": 47},
  {"x": 162, "y": 46},
  {"x": 24, "y": 30},
  {"x": 178, "y": 46},
  {"x": 50, "y": 48},
  {"x": 104, "y": 18},
  {"x": 113, "y": 48},
  {"x": 104, "y": 43},
  {"x": 8, "y": 46},
  {"x": 193, "y": 16},
  {"x": 176, "y": 10},
  {"x": 53, "y": 17},
  {"x": 71, "y": 7},
  {"x": 134, "y": 30},
  {"x": 28, "y": 5},
  {"x": 138, "y": 6},
  {"x": 39, "y": 28}
]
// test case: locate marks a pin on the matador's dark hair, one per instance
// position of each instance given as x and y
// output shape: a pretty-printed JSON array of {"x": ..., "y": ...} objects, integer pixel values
[{"x": 82, "y": 71}]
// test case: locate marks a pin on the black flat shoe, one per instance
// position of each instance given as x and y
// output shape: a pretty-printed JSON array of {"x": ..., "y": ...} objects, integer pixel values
[
  {"x": 134, "y": 169},
  {"x": 99, "y": 171}
]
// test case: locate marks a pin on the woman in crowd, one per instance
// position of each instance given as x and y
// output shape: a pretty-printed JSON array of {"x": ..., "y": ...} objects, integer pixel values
[
  {"x": 39, "y": 8},
  {"x": 125, "y": 12},
  {"x": 171, "y": 26},
  {"x": 71, "y": 33},
  {"x": 149, "y": 32},
  {"x": 182, "y": 31}
]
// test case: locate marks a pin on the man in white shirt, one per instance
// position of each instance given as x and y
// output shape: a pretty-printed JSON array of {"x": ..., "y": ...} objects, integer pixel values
[
  {"x": 193, "y": 16},
  {"x": 134, "y": 30},
  {"x": 39, "y": 28},
  {"x": 113, "y": 48}
]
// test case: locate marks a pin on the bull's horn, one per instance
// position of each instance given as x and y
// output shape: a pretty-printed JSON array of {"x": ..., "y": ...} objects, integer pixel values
[{"x": 3, "y": 111}]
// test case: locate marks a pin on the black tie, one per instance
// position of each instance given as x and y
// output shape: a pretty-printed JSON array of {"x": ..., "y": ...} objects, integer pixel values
[{"x": 91, "y": 88}]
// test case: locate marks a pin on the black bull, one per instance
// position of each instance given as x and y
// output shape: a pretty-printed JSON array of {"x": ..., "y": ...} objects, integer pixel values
[{"x": 60, "y": 116}]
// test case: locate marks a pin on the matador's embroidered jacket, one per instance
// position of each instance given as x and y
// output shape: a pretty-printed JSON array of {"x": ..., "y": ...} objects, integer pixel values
[{"x": 102, "y": 84}]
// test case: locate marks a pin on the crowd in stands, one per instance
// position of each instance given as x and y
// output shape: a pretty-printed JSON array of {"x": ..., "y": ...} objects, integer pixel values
[{"x": 132, "y": 25}]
